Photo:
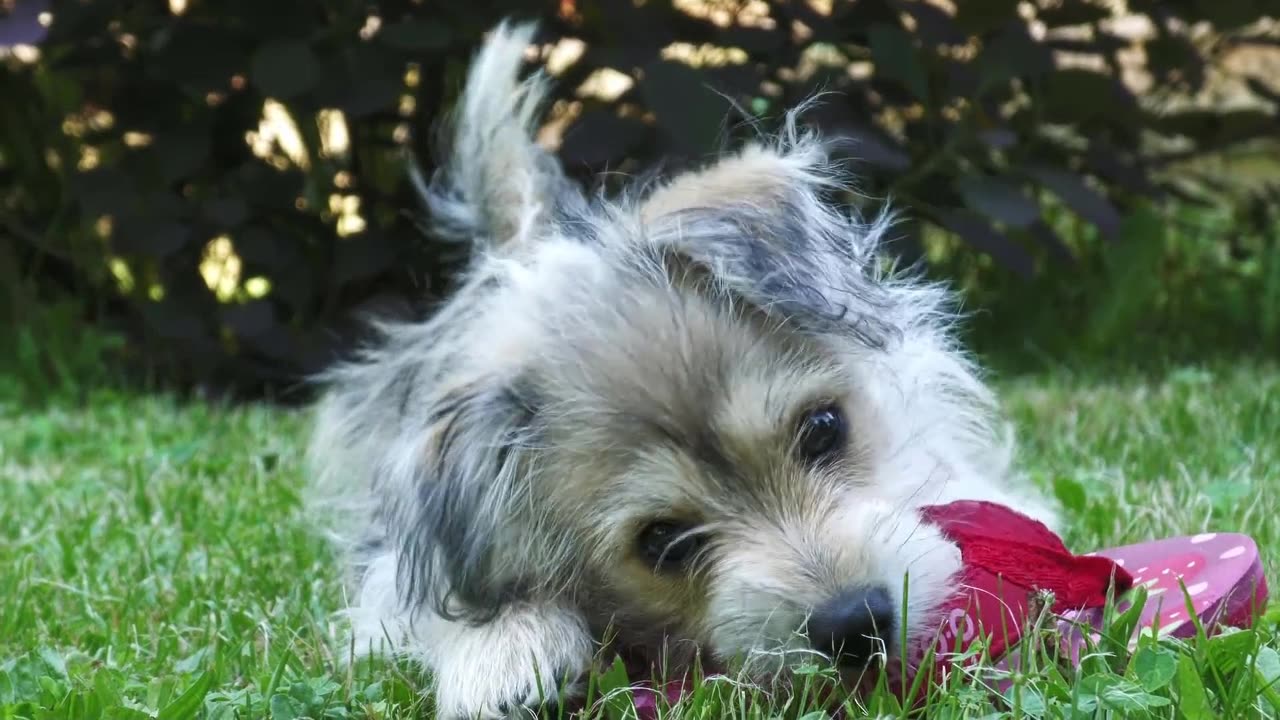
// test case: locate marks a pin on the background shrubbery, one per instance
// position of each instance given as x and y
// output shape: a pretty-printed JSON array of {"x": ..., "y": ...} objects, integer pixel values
[{"x": 219, "y": 187}]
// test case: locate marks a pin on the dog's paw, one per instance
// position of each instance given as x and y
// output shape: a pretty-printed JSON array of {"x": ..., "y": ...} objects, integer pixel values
[
  {"x": 505, "y": 691},
  {"x": 513, "y": 667},
  {"x": 544, "y": 701}
]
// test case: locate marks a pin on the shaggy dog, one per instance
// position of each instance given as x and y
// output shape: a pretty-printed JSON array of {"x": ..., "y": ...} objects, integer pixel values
[{"x": 698, "y": 417}]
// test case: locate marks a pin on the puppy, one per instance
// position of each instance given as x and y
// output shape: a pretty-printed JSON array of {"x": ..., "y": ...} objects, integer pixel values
[{"x": 698, "y": 417}]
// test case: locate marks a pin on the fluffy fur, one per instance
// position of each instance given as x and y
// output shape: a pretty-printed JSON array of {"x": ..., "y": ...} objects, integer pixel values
[{"x": 607, "y": 363}]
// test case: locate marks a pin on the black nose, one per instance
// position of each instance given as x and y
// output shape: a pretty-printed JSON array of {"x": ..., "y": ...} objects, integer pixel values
[{"x": 854, "y": 625}]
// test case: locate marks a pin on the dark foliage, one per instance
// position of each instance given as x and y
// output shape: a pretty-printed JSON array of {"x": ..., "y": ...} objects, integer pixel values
[{"x": 124, "y": 165}]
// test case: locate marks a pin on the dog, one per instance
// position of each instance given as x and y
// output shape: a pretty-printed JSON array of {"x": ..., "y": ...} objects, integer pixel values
[{"x": 693, "y": 419}]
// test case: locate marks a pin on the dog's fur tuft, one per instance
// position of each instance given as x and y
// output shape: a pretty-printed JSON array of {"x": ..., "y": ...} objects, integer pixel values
[
  {"x": 608, "y": 364},
  {"x": 498, "y": 185}
]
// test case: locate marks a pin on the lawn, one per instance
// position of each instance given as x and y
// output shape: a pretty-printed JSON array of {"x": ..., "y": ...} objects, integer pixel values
[{"x": 157, "y": 564}]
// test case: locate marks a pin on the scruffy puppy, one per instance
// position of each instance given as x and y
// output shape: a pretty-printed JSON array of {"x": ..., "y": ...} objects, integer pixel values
[{"x": 700, "y": 415}]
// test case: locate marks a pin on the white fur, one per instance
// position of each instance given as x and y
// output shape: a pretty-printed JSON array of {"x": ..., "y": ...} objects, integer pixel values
[{"x": 440, "y": 488}]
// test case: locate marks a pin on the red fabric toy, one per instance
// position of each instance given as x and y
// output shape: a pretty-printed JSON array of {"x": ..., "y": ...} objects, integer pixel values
[{"x": 1009, "y": 558}]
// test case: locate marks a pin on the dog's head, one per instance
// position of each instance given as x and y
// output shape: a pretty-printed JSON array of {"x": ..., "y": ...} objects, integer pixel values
[{"x": 703, "y": 412}]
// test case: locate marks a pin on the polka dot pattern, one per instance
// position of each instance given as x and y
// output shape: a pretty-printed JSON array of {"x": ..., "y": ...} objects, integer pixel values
[{"x": 1220, "y": 574}]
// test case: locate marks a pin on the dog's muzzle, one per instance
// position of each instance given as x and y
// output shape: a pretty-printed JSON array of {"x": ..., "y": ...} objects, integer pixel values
[{"x": 854, "y": 625}]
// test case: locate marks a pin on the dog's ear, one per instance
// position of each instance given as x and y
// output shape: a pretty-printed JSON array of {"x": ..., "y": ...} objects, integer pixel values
[
  {"x": 497, "y": 185},
  {"x": 763, "y": 225},
  {"x": 456, "y": 547}
]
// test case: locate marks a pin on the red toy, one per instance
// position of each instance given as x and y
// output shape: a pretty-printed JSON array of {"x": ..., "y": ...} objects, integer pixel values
[{"x": 1009, "y": 558}]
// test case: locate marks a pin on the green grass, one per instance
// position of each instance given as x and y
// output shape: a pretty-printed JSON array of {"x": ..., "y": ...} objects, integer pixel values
[{"x": 156, "y": 563}]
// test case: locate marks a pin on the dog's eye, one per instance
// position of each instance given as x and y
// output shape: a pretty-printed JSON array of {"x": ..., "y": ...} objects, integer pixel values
[
  {"x": 822, "y": 432},
  {"x": 669, "y": 545}
]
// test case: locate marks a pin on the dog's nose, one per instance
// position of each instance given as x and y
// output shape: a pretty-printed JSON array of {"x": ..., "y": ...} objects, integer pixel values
[{"x": 853, "y": 625}]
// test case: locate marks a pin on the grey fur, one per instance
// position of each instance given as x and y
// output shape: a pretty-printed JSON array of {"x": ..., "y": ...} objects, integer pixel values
[{"x": 609, "y": 362}]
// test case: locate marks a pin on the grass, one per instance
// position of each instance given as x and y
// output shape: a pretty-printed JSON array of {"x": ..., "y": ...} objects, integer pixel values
[{"x": 157, "y": 565}]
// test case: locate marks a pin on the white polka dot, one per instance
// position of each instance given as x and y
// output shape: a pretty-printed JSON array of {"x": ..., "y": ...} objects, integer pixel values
[
  {"x": 1164, "y": 571},
  {"x": 1155, "y": 591},
  {"x": 1191, "y": 564},
  {"x": 1194, "y": 590},
  {"x": 1203, "y": 538},
  {"x": 1236, "y": 551},
  {"x": 1142, "y": 569}
]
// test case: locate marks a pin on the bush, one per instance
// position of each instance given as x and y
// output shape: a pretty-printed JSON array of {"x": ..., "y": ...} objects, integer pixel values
[{"x": 225, "y": 182}]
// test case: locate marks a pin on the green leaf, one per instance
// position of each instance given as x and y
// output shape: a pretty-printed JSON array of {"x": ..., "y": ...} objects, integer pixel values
[
  {"x": 415, "y": 35},
  {"x": 1230, "y": 14},
  {"x": 1119, "y": 630},
  {"x": 896, "y": 58},
  {"x": 284, "y": 69},
  {"x": 1193, "y": 701},
  {"x": 304, "y": 693},
  {"x": 1073, "y": 13},
  {"x": 980, "y": 16},
  {"x": 372, "y": 692},
  {"x": 108, "y": 692},
  {"x": 8, "y": 692},
  {"x": 1028, "y": 700},
  {"x": 1071, "y": 494},
  {"x": 999, "y": 200},
  {"x": 198, "y": 56},
  {"x": 1064, "y": 91},
  {"x": 1133, "y": 264},
  {"x": 127, "y": 713},
  {"x": 190, "y": 701},
  {"x": 180, "y": 152},
  {"x": 367, "y": 78},
  {"x": 1119, "y": 694},
  {"x": 50, "y": 689},
  {"x": 1154, "y": 667},
  {"x": 615, "y": 691},
  {"x": 1230, "y": 649},
  {"x": 54, "y": 662},
  {"x": 1227, "y": 495},
  {"x": 984, "y": 237},
  {"x": 1076, "y": 193},
  {"x": 195, "y": 660},
  {"x": 684, "y": 105},
  {"x": 159, "y": 690},
  {"x": 1267, "y": 665},
  {"x": 284, "y": 707}
]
